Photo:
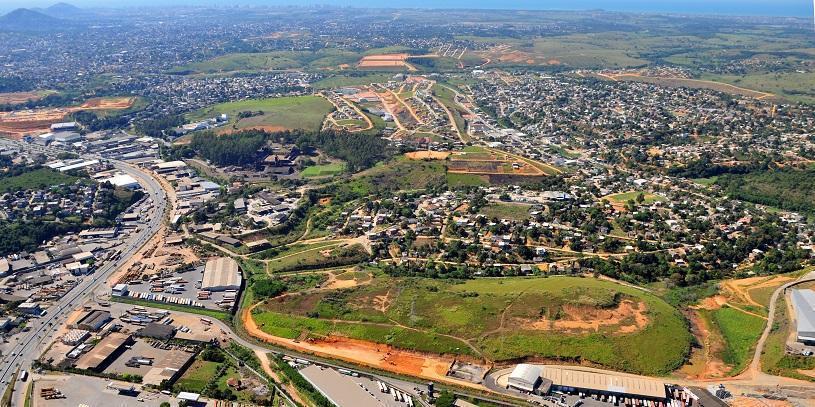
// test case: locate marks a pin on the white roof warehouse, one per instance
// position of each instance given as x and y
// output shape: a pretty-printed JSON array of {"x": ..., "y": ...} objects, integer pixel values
[
  {"x": 221, "y": 273},
  {"x": 803, "y": 302}
]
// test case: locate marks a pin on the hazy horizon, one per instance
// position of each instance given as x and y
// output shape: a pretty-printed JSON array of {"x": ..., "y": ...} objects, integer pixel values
[{"x": 796, "y": 8}]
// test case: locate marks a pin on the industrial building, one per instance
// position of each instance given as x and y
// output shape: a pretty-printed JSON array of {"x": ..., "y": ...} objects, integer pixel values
[
  {"x": 803, "y": 302},
  {"x": 124, "y": 181},
  {"x": 628, "y": 389},
  {"x": 525, "y": 377},
  {"x": 157, "y": 331},
  {"x": 220, "y": 274},
  {"x": 105, "y": 352},
  {"x": 589, "y": 381},
  {"x": 93, "y": 321}
]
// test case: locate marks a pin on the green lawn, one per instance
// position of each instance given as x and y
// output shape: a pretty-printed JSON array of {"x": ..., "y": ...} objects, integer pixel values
[
  {"x": 706, "y": 181},
  {"x": 323, "y": 170},
  {"x": 269, "y": 61},
  {"x": 500, "y": 210},
  {"x": 793, "y": 86},
  {"x": 291, "y": 112},
  {"x": 624, "y": 197},
  {"x": 314, "y": 258},
  {"x": 740, "y": 332},
  {"x": 39, "y": 178},
  {"x": 465, "y": 180},
  {"x": 340, "y": 80},
  {"x": 197, "y": 376}
]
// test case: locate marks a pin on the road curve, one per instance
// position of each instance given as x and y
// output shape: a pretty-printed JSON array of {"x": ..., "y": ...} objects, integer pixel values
[{"x": 754, "y": 371}]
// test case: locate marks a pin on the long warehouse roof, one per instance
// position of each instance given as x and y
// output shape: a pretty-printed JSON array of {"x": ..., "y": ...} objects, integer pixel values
[
  {"x": 591, "y": 380},
  {"x": 221, "y": 272},
  {"x": 803, "y": 301}
]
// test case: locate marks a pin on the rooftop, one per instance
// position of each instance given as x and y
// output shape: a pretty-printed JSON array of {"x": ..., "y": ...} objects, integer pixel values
[{"x": 596, "y": 380}]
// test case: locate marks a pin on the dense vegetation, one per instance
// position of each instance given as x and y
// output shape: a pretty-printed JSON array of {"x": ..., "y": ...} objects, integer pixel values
[
  {"x": 157, "y": 127},
  {"x": 782, "y": 255},
  {"x": 360, "y": 151},
  {"x": 92, "y": 122},
  {"x": 233, "y": 149},
  {"x": 787, "y": 189}
]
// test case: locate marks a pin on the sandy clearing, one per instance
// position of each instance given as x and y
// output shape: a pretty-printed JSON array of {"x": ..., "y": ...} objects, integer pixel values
[
  {"x": 581, "y": 318},
  {"x": 380, "y": 356},
  {"x": 703, "y": 363},
  {"x": 427, "y": 155},
  {"x": 13, "y": 98}
]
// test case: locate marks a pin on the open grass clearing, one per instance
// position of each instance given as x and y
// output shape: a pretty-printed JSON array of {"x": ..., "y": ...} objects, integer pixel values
[
  {"x": 323, "y": 170},
  {"x": 291, "y": 112},
  {"x": 740, "y": 332},
  {"x": 504, "y": 210},
  {"x": 39, "y": 178},
  {"x": 559, "y": 317}
]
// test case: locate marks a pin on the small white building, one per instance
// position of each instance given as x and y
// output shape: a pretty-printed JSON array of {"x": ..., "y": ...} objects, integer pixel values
[
  {"x": 120, "y": 290},
  {"x": 525, "y": 377},
  {"x": 124, "y": 181}
]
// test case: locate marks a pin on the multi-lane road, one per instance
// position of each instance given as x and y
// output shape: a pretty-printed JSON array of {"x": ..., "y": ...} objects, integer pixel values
[{"x": 28, "y": 346}]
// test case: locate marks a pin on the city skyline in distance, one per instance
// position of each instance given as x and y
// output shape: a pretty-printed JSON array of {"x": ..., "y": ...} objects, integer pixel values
[{"x": 796, "y": 8}]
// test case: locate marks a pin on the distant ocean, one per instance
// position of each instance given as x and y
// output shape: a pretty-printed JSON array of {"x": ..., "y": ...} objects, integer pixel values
[{"x": 798, "y": 8}]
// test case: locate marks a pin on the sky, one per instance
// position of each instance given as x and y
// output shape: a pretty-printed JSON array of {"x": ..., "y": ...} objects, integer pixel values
[{"x": 801, "y": 8}]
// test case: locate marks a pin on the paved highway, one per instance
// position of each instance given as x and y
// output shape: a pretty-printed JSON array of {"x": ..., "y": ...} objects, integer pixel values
[{"x": 29, "y": 345}]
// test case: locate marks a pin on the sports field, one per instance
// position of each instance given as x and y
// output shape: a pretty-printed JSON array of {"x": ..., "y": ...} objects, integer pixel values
[
  {"x": 564, "y": 318},
  {"x": 323, "y": 170},
  {"x": 292, "y": 112}
]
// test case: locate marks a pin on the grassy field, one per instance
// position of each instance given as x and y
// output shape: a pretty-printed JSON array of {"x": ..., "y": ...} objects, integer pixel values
[
  {"x": 293, "y": 112},
  {"x": 197, "y": 376},
  {"x": 270, "y": 61},
  {"x": 632, "y": 196},
  {"x": 40, "y": 178},
  {"x": 502, "y": 210},
  {"x": 706, "y": 181},
  {"x": 740, "y": 332},
  {"x": 465, "y": 180},
  {"x": 792, "y": 86},
  {"x": 400, "y": 173},
  {"x": 302, "y": 255},
  {"x": 323, "y": 170},
  {"x": 340, "y": 80},
  {"x": 497, "y": 316}
]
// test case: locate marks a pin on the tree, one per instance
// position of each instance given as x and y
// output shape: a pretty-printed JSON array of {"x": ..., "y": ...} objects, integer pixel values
[{"x": 446, "y": 399}]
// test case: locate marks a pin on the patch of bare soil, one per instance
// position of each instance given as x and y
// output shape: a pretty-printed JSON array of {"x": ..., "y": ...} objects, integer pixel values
[{"x": 627, "y": 317}]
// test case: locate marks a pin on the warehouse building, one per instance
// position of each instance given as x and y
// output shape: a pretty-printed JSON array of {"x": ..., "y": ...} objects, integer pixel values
[
  {"x": 93, "y": 321},
  {"x": 525, "y": 377},
  {"x": 220, "y": 274},
  {"x": 590, "y": 381},
  {"x": 105, "y": 352},
  {"x": 156, "y": 331},
  {"x": 803, "y": 303}
]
